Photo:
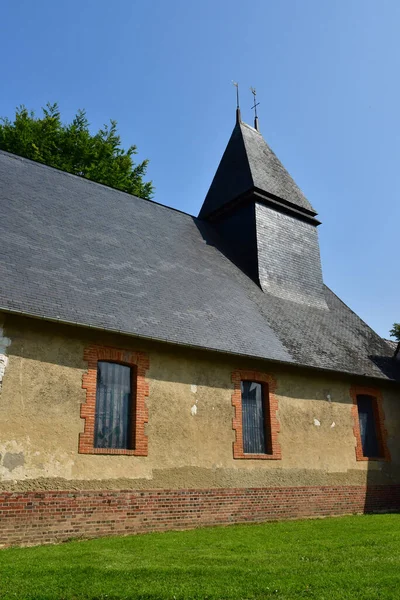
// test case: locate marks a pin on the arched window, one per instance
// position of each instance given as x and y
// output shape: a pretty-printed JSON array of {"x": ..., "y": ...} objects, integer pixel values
[
  {"x": 255, "y": 418},
  {"x": 369, "y": 428},
  {"x": 114, "y": 406},
  {"x": 367, "y": 419},
  {"x": 115, "y": 410}
]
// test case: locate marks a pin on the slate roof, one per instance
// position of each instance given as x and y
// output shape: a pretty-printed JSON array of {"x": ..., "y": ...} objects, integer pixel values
[
  {"x": 248, "y": 163},
  {"x": 79, "y": 252},
  {"x": 395, "y": 347},
  {"x": 392, "y": 344}
]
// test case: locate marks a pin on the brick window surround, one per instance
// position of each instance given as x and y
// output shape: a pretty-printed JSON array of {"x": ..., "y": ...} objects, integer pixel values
[
  {"x": 140, "y": 362},
  {"x": 271, "y": 405},
  {"x": 379, "y": 416}
]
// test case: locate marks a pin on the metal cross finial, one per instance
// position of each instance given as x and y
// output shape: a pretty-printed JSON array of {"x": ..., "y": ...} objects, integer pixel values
[
  {"x": 253, "y": 91},
  {"x": 237, "y": 93}
]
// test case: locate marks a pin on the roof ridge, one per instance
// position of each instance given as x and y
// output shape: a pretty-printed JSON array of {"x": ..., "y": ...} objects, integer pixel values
[
  {"x": 89, "y": 181},
  {"x": 246, "y": 153},
  {"x": 233, "y": 170},
  {"x": 259, "y": 154}
]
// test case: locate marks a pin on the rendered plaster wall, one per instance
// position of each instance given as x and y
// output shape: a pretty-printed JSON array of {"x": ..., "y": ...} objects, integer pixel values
[
  {"x": 4, "y": 343},
  {"x": 190, "y": 420}
]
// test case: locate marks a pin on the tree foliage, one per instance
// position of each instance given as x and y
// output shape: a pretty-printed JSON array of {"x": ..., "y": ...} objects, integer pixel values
[
  {"x": 72, "y": 148},
  {"x": 395, "y": 331}
]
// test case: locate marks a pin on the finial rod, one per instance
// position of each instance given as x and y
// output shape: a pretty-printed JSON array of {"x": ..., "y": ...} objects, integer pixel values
[
  {"x": 238, "y": 117},
  {"x": 253, "y": 91}
]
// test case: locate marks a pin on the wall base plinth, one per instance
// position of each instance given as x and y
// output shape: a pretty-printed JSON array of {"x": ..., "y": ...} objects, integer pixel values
[{"x": 29, "y": 518}]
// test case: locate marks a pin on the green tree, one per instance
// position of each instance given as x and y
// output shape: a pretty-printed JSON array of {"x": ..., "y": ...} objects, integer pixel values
[
  {"x": 71, "y": 147},
  {"x": 395, "y": 331}
]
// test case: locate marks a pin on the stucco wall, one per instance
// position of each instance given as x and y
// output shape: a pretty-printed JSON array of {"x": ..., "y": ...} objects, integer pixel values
[{"x": 190, "y": 420}]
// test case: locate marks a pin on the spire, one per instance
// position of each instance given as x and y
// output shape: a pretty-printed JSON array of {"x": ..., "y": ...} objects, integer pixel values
[
  {"x": 238, "y": 115},
  {"x": 249, "y": 166},
  {"x": 265, "y": 224}
]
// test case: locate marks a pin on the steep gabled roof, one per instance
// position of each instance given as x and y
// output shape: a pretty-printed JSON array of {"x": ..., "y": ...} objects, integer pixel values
[
  {"x": 393, "y": 344},
  {"x": 79, "y": 252},
  {"x": 247, "y": 164}
]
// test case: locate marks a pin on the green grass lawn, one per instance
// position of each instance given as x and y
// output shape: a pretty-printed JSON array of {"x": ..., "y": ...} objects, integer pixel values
[{"x": 347, "y": 557}]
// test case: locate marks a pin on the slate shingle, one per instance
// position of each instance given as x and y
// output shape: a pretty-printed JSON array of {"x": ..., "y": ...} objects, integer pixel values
[{"x": 83, "y": 253}]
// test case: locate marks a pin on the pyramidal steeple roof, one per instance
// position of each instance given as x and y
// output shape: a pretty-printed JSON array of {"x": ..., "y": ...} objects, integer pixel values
[{"x": 249, "y": 165}]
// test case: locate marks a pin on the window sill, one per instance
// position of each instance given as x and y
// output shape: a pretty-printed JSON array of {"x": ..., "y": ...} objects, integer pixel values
[
  {"x": 372, "y": 458},
  {"x": 113, "y": 451},
  {"x": 257, "y": 456}
]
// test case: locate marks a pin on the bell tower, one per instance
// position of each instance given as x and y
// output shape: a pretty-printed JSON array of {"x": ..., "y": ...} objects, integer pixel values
[{"x": 267, "y": 225}]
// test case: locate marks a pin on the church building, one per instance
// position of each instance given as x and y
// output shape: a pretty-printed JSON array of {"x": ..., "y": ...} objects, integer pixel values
[{"x": 164, "y": 371}]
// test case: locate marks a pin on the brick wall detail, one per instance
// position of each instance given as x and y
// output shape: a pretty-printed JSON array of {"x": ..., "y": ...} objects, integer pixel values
[
  {"x": 44, "y": 517},
  {"x": 140, "y": 362},
  {"x": 379, "y": 420},
  {"x": 269, "y": 384}
]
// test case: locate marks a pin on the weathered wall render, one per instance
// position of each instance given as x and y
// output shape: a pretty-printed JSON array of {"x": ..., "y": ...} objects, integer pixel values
[{"x": 189, "y": 430}]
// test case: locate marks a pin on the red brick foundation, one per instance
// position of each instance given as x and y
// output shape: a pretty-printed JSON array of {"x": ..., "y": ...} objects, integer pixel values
[{"x": 43, "y": 517}]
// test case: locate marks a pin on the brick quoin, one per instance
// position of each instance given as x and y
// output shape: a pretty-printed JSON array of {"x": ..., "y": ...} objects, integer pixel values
[
  {"x": 139, "y": 361},
  {"x": 28, "y": 518},
  {"x": 271, "y": 406}
]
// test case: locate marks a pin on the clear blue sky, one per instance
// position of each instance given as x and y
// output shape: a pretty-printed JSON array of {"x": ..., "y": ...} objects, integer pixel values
[{"x": 327, "y": 75}]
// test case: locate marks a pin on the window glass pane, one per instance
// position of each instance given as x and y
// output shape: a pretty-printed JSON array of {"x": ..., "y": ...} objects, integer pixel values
[
  {"x": 113, "y": 406},
  {"x": 366, "y": 417},
  {"x": 253, "y": 418}
]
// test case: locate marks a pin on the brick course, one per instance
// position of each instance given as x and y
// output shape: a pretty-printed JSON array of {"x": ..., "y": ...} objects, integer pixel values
[{"x": 43, "y": 517}]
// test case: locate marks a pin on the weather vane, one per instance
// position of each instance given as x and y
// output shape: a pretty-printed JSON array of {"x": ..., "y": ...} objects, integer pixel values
[{"x": 253, "y": 91}]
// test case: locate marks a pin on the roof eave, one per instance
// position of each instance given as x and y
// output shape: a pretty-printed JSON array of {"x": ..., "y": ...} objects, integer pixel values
[
  {"x": 195, "y": 347},
  {"x": 256, "y": 195}
]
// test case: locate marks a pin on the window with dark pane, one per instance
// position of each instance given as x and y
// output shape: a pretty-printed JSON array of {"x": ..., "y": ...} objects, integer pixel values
[
  {"x": 256, "y": 436},
  {"x": 368, "y": 426},
  {"x": 113, "y": 425}
]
